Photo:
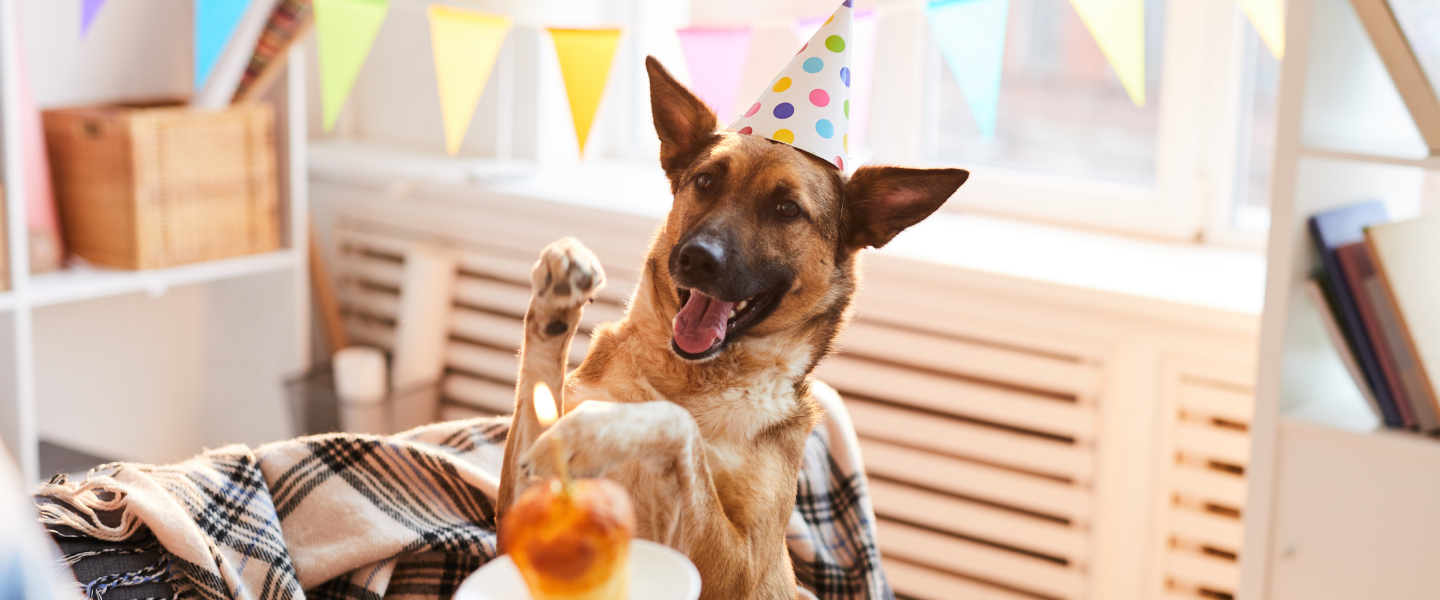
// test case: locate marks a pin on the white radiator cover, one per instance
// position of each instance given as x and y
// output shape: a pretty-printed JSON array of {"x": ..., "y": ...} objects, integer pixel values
[{"x": 1024, "y": 439}]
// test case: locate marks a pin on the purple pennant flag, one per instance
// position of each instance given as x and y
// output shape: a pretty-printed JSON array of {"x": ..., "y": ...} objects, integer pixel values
[
  {"x": 88, "y": 8},
  {"x": 716, "y": 59}
]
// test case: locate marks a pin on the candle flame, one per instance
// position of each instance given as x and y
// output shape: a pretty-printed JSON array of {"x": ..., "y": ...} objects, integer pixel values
[{"x": 545, "y": 405}]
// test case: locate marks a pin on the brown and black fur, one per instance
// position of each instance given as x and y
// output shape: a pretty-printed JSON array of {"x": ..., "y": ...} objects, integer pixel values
[{"x": 709, "y": 446}]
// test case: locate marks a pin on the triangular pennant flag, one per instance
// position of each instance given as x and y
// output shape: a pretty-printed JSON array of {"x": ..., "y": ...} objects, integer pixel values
[
  {"x": 88, "y": 8},
  {"x": 585, "y": 56},
  {"x": 466, "y": 44},
  {"x": 1268, "y": 17},
  {"x": 344, "y": 32},
  {"x": 716, "y": 60},
  {"x": 1118, "y": 26},
  {"x": 215, "y": 22},
  {"x": 971, "y": 34}
]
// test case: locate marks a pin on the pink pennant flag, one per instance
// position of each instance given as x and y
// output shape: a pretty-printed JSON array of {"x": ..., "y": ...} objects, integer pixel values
[
  {"x": 862, "y": 67},
  {"x": 88, "y": 8},
  {"x": 716, "y": 60}
]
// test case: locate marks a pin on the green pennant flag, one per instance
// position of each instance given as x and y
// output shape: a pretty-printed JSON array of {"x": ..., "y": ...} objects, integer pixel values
[{"x": 344, "y": 32}]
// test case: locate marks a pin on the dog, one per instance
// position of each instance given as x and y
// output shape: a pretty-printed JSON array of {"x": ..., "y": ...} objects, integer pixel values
[{"x": 699, "y": 401}]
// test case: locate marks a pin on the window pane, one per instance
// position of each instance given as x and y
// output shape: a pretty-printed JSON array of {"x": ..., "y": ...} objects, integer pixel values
[
  {"x": 1257, "y": 134},
  {"x": 1062, "y": 109}
]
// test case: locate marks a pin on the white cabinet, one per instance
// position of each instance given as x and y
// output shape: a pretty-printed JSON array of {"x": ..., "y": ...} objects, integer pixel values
[{"x": 1355, "y": 515}]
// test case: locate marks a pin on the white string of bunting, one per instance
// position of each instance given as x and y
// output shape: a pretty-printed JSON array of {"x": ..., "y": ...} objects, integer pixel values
[{"x": 721, "y": 61}]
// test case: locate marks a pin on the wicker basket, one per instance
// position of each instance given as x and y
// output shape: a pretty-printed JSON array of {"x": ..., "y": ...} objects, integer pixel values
[{"x": 147, "y": 186}]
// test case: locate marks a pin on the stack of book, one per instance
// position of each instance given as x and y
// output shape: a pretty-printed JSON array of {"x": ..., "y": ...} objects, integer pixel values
[{"x": 1379, "y": 295}]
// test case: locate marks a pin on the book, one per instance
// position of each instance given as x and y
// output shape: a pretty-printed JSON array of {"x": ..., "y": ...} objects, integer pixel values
[
  {"x": 1406, "y": 257},
  {"x": 1396, "y": 363},
  {"x": 1315, "y": 290},
  {"x": 287, "y": 25},
  {"x": 42, "y": 219},
  {"x": 1330, "y": 230},
  {"x": 225, "y": 77}
]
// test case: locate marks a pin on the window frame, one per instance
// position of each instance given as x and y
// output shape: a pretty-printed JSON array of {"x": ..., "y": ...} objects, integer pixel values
[{"x": 1201, "y": 98}]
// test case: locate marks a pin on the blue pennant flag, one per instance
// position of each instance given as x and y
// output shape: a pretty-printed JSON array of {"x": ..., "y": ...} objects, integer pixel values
[
  {"x": 972, "y": 38},
  {"x": 215, "y": 22}
]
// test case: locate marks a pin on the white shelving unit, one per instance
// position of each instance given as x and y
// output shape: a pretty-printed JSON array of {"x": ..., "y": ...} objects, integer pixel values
[
  {"x": 1336, "y": 507},
  {"x": 157, "y": 365}
]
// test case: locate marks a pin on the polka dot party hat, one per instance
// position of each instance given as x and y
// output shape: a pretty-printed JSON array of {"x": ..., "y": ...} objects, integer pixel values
[{"x": 808, "y": 103}]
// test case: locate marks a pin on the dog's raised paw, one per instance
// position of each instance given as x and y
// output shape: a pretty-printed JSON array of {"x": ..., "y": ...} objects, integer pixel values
[{"x": 567, "y": 276}]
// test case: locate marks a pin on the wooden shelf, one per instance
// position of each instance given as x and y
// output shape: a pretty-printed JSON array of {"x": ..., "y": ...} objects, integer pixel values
[
  {"x": 150, "y": 379},
  {"x": 78, "y": 284}
]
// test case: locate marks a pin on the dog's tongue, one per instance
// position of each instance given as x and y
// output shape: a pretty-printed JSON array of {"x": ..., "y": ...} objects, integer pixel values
[{"x": 700, "y": 324}]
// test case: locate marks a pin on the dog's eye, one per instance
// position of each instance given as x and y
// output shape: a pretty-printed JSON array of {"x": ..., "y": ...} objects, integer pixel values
[
  {"x": 787, "y": 209},
  {"x": 705, "y": 181}
]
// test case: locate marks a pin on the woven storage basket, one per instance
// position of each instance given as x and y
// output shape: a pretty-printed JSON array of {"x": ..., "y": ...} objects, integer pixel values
[{"x": 141, "y": 187}]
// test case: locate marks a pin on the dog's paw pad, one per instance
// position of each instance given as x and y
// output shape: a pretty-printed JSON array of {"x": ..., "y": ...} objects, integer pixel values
[{"x": 567, "y": 275}]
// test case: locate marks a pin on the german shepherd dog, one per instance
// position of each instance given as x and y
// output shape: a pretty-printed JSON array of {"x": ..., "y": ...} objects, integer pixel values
[{"x": 700, "y": 400}]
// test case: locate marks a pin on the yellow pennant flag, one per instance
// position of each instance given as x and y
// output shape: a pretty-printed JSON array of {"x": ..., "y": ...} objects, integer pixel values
[
  {"x": 1118, "y": 26},
  {"x": 585, "y": 56},
  {"x": 466, "y": 43},
  {"x": 344, "y": 32},
  {"x": 1268, "y": 17}
]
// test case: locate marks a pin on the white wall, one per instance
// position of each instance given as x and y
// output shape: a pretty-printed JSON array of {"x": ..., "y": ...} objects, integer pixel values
[
  {"x": 122, "y": 377},
  {"x": 136, "y": 49}
]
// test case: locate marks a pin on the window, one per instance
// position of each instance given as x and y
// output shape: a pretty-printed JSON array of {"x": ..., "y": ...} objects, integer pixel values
[
  {"x": 1070, "y": 146},
  {"x": 1063, "y": 110},
  {"x": 1256, "y": 141}
]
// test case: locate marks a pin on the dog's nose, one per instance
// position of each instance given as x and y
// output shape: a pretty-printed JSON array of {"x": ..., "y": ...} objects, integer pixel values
[{"x": 701, "y": 257}]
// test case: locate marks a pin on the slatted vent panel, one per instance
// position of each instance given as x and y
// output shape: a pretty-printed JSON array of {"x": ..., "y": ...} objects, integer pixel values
[
  {"x": 1206, "y": 490},
  {"x": 981, "y": 458},
  {"x": 492, "y": 295}
]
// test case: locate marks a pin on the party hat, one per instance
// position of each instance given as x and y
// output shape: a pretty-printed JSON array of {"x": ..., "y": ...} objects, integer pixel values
[{"x": 808, "y": 103}]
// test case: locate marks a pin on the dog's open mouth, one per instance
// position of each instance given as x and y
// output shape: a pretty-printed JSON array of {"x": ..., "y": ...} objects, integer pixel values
[{"x": 705, "y": 323}]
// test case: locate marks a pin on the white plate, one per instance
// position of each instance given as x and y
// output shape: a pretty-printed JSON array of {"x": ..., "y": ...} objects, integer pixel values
[{"x": 656, "y": 573}]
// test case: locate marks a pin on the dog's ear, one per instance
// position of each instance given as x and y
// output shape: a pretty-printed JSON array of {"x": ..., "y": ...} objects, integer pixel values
[
  {"x": 883, "y": 201},
  {"x": 683, "y": 122}
]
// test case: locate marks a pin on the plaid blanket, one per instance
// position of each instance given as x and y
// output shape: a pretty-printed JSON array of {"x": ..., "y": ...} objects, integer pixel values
[{"x": 407, "y": 516}]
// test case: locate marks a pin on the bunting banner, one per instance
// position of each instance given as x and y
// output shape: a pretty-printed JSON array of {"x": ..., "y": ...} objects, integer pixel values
[
  {"x": 585, "y": 57},
  {"x": 344, "y": 32},
  {"x": 1118, "y": 26},
  {"x": 715, "y": 59},
  {"x": 862, "y": 67},
  {"x": 726, "y": 65},
  {"x": 88, "y": 8},
  {"x": 971, "y": 34},
  {"x": 1268, "y": 17},
  {"x": 466, "y": 44},
  {"x": 215, "y": 22}
]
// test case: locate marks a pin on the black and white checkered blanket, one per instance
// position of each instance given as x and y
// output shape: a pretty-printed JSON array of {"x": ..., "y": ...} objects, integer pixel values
[{"x": 406, "y": 516}]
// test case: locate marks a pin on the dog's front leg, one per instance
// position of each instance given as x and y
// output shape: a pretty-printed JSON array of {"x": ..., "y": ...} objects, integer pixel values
[
  {"x": 566, "y": 277},
  {"x": 656, "y": 450}
]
